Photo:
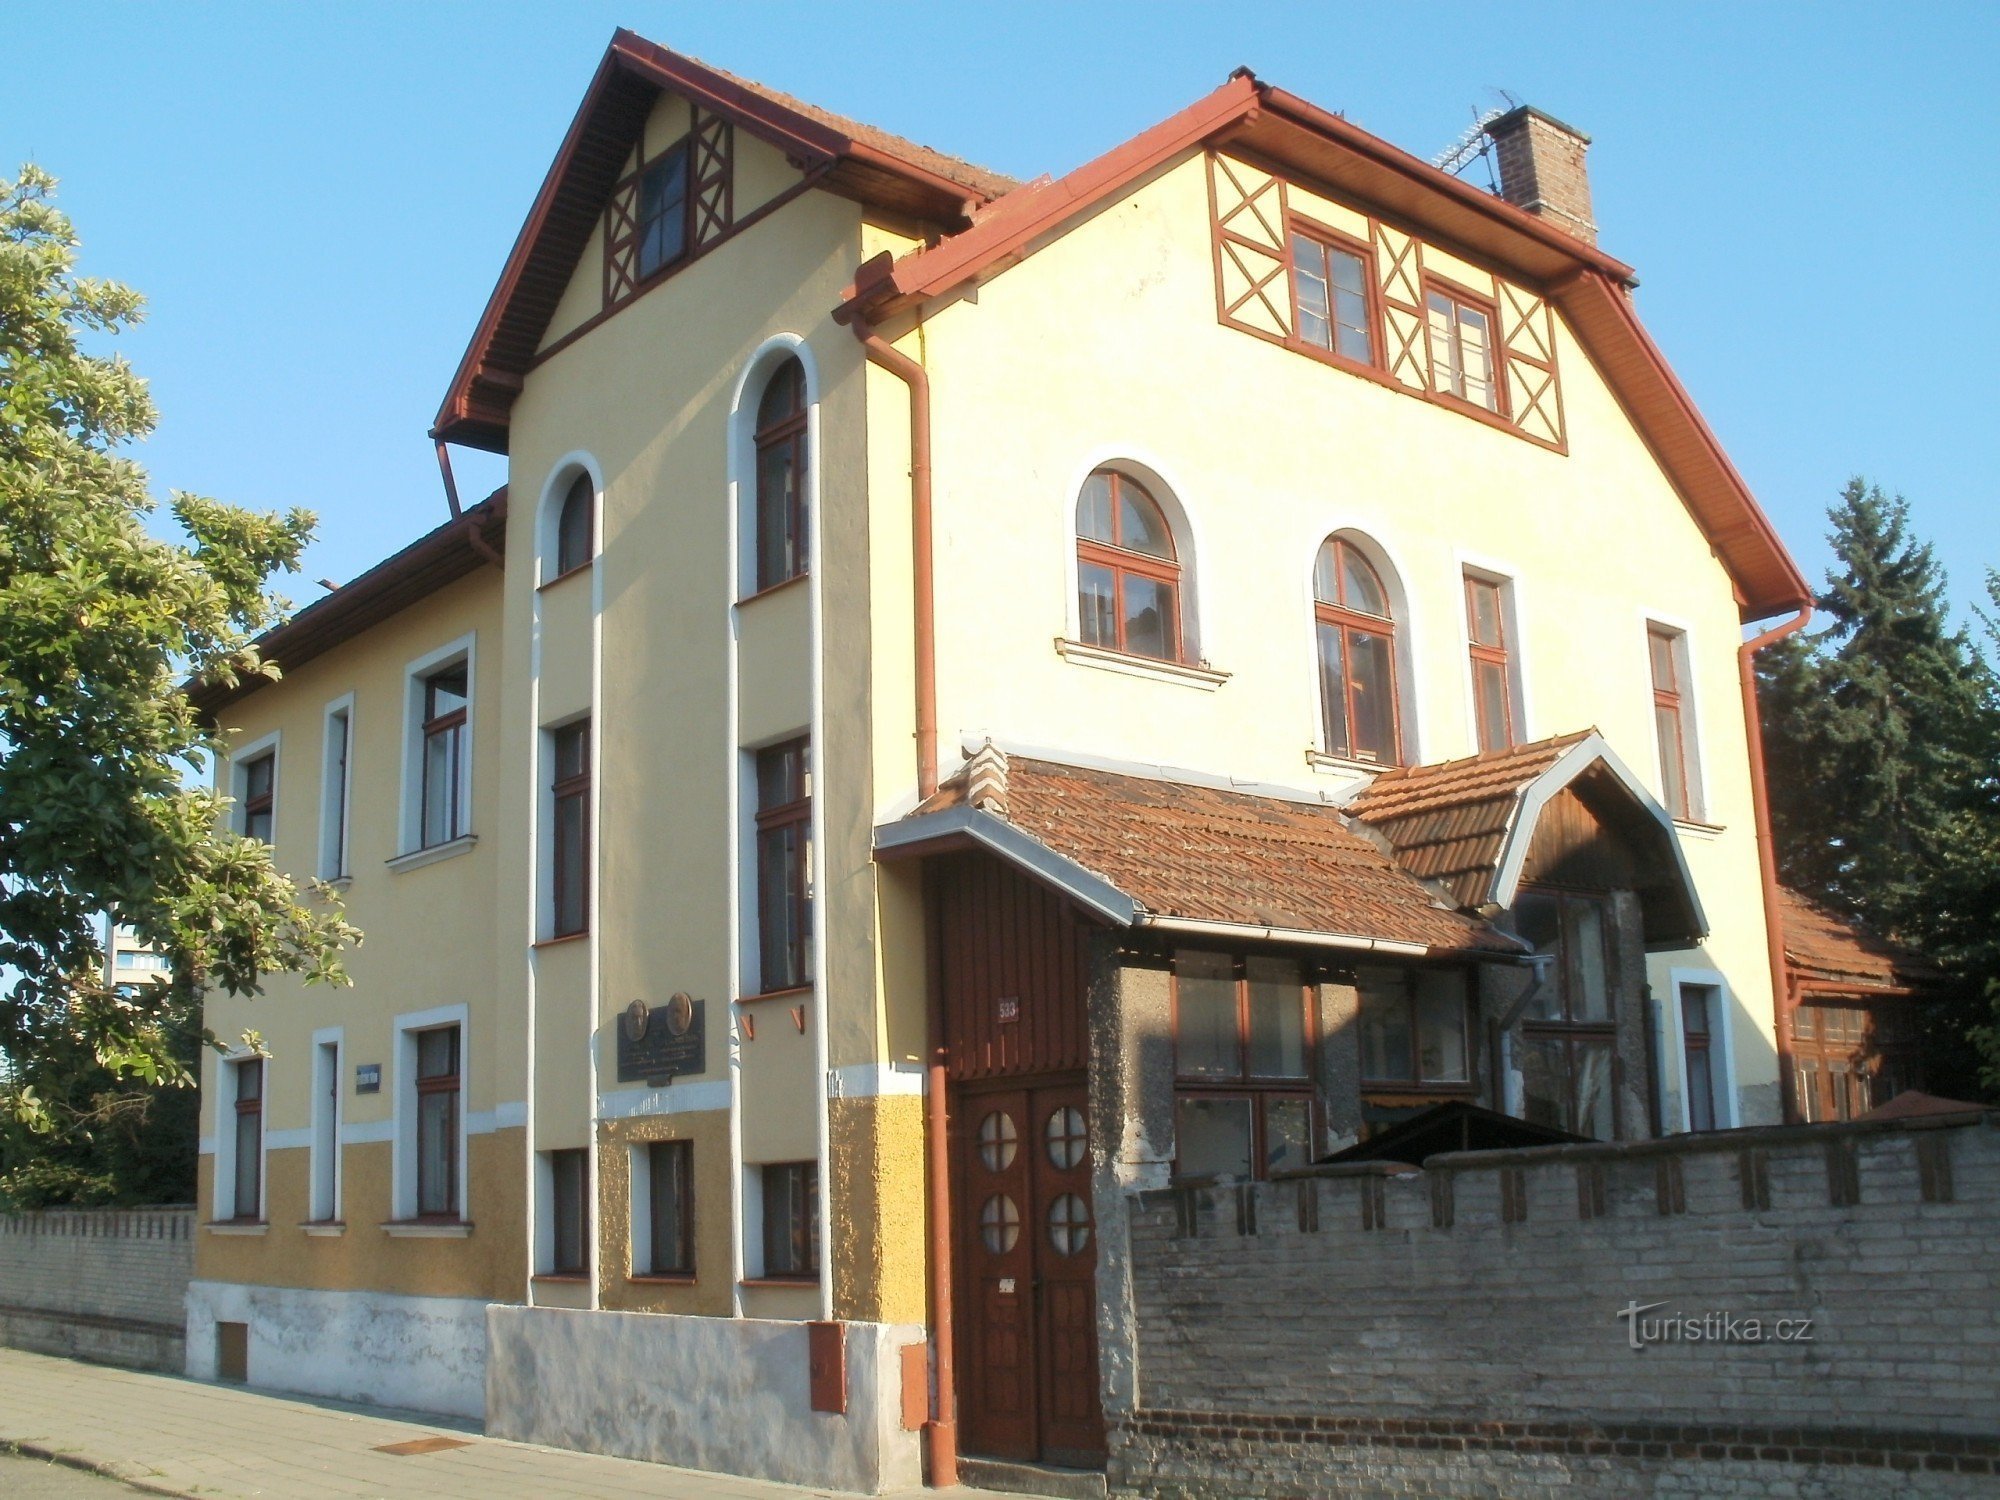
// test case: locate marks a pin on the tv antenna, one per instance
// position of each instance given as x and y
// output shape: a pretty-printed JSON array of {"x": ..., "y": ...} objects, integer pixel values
[{"x": 1475, "y": 144}]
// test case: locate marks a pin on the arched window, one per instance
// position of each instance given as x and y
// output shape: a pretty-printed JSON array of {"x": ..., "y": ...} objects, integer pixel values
[
  {"x": 576, "y": 526},
  {"x": 1357, "y": 655},
  {"x": 781, "y": 469},
  {"x": 1128, "y": 578}
]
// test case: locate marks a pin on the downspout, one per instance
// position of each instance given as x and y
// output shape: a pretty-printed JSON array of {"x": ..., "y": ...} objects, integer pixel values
[
  {"x": 882, "y": 352},
  {"x": 1767, "y": 853},
  {"x": 941, "y": 1431},
  {"x": 472, "y": 532}
]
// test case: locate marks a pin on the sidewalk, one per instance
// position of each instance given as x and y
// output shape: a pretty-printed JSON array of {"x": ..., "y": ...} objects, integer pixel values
[{"x": 180, "y": 1437}]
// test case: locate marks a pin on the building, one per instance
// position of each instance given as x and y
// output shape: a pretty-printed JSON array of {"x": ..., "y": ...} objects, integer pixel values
[
  {"x": 129, "y": 960},
  {"x": 977, "y": 698}
]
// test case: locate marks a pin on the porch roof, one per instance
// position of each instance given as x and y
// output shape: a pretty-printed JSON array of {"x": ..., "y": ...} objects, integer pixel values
[
  {"x": 1143, "y": 851},
  {"x": 1827, "y": 953}
]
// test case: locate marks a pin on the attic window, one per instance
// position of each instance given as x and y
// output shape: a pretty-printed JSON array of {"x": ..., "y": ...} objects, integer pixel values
[{"x": 663, "y": 212}]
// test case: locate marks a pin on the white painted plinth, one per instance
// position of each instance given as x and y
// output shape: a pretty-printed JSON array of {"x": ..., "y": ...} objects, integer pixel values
[
  {"x": 730, "y": 1395},
  {"x": 424, "y": 1353}
]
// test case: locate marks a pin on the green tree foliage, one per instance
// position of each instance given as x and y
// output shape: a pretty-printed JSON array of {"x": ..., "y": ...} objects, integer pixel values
[
  {"x": 1882, "y": 732},
  {"x": 99, "y": 622}
]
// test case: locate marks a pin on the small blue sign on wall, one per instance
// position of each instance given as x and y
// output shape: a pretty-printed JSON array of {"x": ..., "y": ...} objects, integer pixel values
[{"x": 367, "y": 1078}]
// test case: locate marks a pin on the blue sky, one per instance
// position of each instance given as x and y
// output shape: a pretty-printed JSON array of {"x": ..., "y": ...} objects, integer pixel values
[{"x": 317, "y": 200}]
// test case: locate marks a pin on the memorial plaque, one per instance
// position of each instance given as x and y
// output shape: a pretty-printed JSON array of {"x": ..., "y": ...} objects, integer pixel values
[
  {"x": 368, "y": 1078},
  {"x": 656, "y": 1044}
]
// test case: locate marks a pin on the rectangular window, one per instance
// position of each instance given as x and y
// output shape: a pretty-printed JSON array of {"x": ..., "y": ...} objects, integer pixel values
[
  {"x": 334, "y": 783},
  {"x": 1700, "y": 1015},
  {"x": 1665, "y": 650},
  {"x": 248, "y": 1182},
  {"x": 260, "y": 788},
  {"x": 1243, "y": 1049},
  {"x": 791, "y": 1220},
  {"x": 1330, "y": 287},
  {"x": 1492, "y": 674},
  {"x": 784, "y": 866},
  {"x": 325, "y": 1202},
  {"x": 446, "y": 698},
  {"x": 1565, "y": 1050},
  {"x": 1461, "y": 341},
  {"x": 663, "y": 212},
  {"x": 437, "y": 1123},
  {"x": 1413, "y": 1028},
  {"x": 569, "y": 841},
  {"x": 569, "y": 1183},
  {"x": 670, "y": 1208}
]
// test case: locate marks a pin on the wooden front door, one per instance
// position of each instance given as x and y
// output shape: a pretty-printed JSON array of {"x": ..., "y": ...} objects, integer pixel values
[{"x": 1027, "y": 1253}]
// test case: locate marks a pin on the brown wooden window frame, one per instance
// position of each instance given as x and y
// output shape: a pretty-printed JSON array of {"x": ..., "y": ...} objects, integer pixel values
[
  {"x": 1122, "y": 562},
  {"x": 450, "y": 725},
  {"x": 782, "y": 523},
  {"x": 641, "y": 273},
  {"x": 1417, "y": 1083},
  {"x": 1433, "y": 285},
  {"x": 249, "y": 1118},
  {"x": 791, "y": 1243},
  {"x": 576, "y": 528},
  {"x": 569, "y": 796},
  {"x": 675, "y": 1259},
  {"x": 1845, "y": 1061},
  {"x": 1496, "y": 653},
  {"x": 1566, "y": 1028},
  {"x": 792, "y": 815},
  {"x": 1669, "y": 705},
  {"x": 451, "y": 1087},
  {"x": 1338, "y": 615},
  {"x": 1259, "y": 1092},
  {"x": 1331, "y": 241},
  {"x": 260, "y": 802},
  {"x": 569, "y": 1212}
]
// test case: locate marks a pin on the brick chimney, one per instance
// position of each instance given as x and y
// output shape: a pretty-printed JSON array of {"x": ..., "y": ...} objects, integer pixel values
[{"x": 1542, "y": 170}]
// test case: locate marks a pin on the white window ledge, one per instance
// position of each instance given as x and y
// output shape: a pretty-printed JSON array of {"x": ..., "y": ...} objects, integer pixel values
[
  {"x": 1698, "y": 830},
  {"x": 425, "y": 1229},
  {"x": 236, "y": 1226},
  {"x": 1204, "y": 677},
  {"x": 1341, "y": 765},
  {"x": 323, "y": 1229},
  {"x": 417, "y": 858}
]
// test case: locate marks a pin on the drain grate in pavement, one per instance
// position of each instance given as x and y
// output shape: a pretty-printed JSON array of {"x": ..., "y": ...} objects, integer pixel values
[{"x": 423, "y": 1445}]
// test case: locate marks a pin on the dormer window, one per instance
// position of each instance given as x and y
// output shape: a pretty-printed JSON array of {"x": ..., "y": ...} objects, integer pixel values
[{"x": 1128, "y": 577}]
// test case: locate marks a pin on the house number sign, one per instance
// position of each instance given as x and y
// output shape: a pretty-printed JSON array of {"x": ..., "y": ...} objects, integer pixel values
[{"x": 658, "y": 1043}]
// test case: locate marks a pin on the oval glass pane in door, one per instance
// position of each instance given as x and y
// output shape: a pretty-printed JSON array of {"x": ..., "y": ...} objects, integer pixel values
[
  {"x": 999, "y": 1224},
  {"x": 997, "y": 1141},
  {"x": 1069, "y": 1225},
  {"x": 1067, "y": 1144}
]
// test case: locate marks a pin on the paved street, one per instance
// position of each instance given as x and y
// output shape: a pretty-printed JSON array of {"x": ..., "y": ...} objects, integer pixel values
[
  {"x": 24, "y": 1478},
  {"x": 171, "y": 1436}
]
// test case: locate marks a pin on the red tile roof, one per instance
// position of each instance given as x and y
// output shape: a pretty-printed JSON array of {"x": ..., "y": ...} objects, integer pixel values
[
  {"x": 1206, "y": 854},
  {"x": 1832, "y": 954},
  {"x": 1449, "y": 821}
]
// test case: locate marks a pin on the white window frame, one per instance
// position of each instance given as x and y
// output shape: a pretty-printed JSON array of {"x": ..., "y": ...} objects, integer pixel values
[
  {"x": 239, "y": 763},
  {"x": 403, "y": 1154},
  {"x": 324, "y": 1203},
  {"x": 545, "y": 1213},
  {"x": 223, "y": 1188},
  {"x": 409, "y": 840},
  {"x": 1721, "y": 1048},
  {"x": 1492, "y": 570},
  {"x": 336, "y": 790},
  {"x": 1691, "y": 721},
  {"x": 545, "y": 816},
  {"x": 548, "y": 516}
]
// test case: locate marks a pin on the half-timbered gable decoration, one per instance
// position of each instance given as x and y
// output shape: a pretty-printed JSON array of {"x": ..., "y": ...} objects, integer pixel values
[
  {"x": 1487, "y": 348},
  {"x": 669, "y": 208}
]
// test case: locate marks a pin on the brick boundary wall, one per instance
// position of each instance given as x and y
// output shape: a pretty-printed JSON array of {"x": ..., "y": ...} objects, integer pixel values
[
  {"x": 105, "y": 1284},
  {"x": 1450, "y": 1332}
]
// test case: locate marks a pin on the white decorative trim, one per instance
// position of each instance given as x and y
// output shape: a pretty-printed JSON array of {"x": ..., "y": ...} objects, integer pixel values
[
  {"x": 409, "y": 829},
  {"x": 324, "y": 1134},
  {"x": 1508, "y": 577},
  {"x": 294, "y": 1139},
  {"x": 1708, "y": 833},
  {"x": 674, "y": 1099},
  {"x": 420, "y": 1229},
  {"x": 876, "y": 1081},
  {"x": 366, "y": 1132},
  {"x": 1134, "y": 461},
  {"x": 417, "y": 858},
  {"x": 510, "y": 1116},
  {"x": 336, "y": 792},
  {"x": 227, "y": 1227},
  {"x": 403, "y": 1083},
  {"x": 1341, "y": 765},
  {"x": 239, "y": 758},
  {"x": 548, "y": 510},
  {"x": 1204, "y": 677},
  {"x": 205, "y": 1146},
  {"x": 1721, "y": 1045},
  {"x": 323, "y": 1229}
]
